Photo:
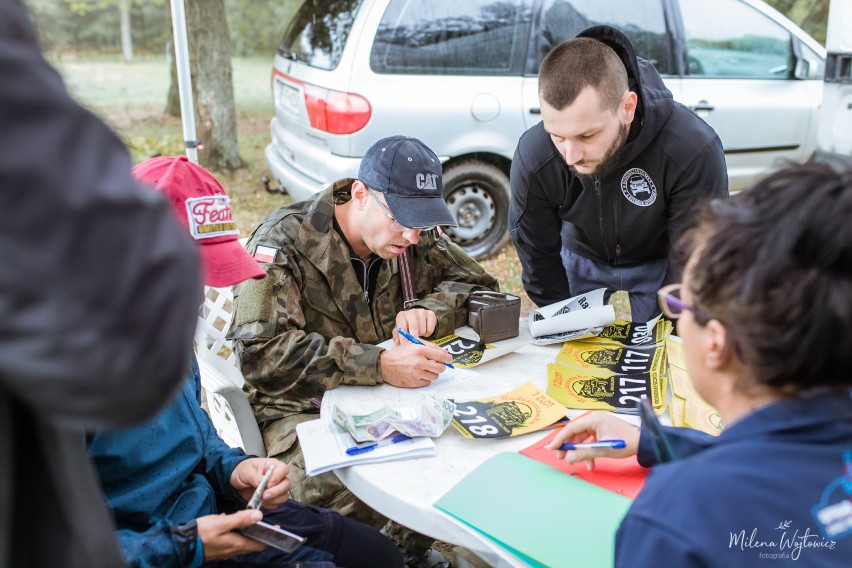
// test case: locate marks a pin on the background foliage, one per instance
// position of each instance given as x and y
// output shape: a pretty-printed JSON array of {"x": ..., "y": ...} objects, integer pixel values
[
  {"x": 78, "y": 26},
  {"x": 810, "y": 15}
]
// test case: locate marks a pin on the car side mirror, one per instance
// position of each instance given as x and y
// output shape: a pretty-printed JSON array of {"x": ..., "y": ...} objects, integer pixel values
[{"x": 799, "y": 67}]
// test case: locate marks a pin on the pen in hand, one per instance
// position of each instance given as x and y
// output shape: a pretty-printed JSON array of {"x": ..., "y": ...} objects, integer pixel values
[
  {"x": 599, "y": 445},
  {"x": 416, "y": 341},
  {"x": 254, "y": 502}
]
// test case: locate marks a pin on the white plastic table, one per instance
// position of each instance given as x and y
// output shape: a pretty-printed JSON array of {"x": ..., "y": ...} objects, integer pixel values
[{"x": 406, "y": 490}]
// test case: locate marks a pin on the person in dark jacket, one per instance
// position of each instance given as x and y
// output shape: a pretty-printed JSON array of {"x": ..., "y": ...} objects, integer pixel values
[
  {"x": 99, "y": 290},
  {"x": 608, "y": 180},
  {"x": 177, "y": 492},
  {"x": 765, "y": 313}
]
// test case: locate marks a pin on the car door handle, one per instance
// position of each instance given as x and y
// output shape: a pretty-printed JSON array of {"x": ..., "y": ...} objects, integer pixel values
[
  {"x": 535, "y": 110},
  {"x": 702, "y": 105}
]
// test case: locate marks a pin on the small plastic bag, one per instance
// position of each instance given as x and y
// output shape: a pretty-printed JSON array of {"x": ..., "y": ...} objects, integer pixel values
[{"x": 370, "y": 421}]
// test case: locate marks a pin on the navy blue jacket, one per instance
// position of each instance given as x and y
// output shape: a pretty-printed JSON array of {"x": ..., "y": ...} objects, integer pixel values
[
  {"x": 99, "y": 288},
  {"x": 163, "y": 474},
  {"x": 755, "y": 493},
  {"x": 671, "y": 161}
]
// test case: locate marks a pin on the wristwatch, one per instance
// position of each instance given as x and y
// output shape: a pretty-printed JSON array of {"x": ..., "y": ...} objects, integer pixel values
[{"x": 193, "y": 551}]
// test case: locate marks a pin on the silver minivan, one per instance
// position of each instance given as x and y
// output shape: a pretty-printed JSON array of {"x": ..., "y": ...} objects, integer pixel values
[{"x": 462, "y": 77}]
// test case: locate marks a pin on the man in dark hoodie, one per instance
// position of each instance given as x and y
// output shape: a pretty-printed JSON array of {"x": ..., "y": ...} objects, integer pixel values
[{"x": 609, "y": 178}]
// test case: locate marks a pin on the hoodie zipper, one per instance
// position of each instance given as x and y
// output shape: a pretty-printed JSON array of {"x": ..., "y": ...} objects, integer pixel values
[
  {"x": 599, "y": 197},
  {"x": 616, "y": 227}
]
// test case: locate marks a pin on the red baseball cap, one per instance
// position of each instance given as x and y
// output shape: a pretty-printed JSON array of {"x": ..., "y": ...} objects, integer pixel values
[{"x": 202, "y": 205}]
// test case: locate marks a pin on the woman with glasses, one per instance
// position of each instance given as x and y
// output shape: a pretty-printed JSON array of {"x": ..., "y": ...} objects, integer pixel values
[{"x": 765, "y": 314}]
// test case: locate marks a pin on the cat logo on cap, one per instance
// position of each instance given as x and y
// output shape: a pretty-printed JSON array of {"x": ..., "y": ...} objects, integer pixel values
[{"x": 427, "y": 181}]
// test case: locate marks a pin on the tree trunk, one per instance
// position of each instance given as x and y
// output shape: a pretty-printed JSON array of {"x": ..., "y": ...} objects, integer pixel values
[
  {"x": 212, "y": 84},
  {"x": 126, "y": 36}
]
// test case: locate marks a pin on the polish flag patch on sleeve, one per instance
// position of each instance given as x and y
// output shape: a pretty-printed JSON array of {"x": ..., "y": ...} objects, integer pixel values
[{"x": 265, "y": 254}]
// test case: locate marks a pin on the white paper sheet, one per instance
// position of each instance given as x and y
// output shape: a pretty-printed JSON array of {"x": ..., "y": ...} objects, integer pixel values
[
  {"x": 581, "y": 316},
  {"x": 324, "y": 447},
  {"x": 498, "y": 348}
]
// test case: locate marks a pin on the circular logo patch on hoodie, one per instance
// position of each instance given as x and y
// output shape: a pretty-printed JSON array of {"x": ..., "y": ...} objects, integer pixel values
[{"x": 638, "y": 187}]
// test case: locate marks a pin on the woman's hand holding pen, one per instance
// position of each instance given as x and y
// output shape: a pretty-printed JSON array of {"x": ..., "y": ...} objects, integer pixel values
[
  {"x": 248, "y": 474},
  {"x": 592, "y": 427}
]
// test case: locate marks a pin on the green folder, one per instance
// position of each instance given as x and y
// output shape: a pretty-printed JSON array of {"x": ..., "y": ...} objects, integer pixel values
[{"x": 540, "y": 514}]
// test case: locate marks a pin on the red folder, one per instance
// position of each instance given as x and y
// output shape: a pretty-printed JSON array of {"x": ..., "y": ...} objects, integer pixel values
[{"x": 622, "y": 476}]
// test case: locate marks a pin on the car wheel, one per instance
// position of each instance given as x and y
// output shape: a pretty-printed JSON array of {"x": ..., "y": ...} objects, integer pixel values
[{"x": 477, "y": 194}]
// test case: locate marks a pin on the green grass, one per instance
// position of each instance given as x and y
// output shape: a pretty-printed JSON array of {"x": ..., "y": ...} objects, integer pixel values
[
  {"x": 131, "y": 99},
  {"x": 106, "y": 84},
  {"x": 109, "y": 82}
]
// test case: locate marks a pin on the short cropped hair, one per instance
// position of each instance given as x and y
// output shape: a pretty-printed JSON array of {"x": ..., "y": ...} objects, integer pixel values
[
  {"x": 576, "y": 64},
  {"x": 774, "y": 265}
]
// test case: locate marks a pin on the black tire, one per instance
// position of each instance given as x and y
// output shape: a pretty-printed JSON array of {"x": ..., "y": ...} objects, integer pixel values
[{"x": 477, "y": 194}]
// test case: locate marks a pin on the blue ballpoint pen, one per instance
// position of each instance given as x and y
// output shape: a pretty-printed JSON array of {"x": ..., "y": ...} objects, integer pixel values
[
  {"x": 599, "y": 445},
  {"x": 414, "y": 340},
  {"x": 355, "y": 450}
]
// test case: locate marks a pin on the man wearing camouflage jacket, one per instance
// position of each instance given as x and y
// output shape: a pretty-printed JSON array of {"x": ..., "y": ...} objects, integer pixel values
[{"x": 333, "y": 291}]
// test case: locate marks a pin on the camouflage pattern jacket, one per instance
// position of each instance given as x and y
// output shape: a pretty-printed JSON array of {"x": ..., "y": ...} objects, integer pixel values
[{"x": 307, "y": 326}]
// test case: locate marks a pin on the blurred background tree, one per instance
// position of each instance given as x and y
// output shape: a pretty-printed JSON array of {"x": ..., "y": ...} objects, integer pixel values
[
  {"x": 810, "y": 15},
  {"x": 76, "y": 27},
  {"x": 216, "y": 31},
  {"x": 212, "y": 84}
]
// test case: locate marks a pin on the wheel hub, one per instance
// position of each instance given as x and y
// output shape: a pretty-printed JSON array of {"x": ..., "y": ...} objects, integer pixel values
[
  {"x": 473, "y": 208},
  {"x": 468, "y": 215}
]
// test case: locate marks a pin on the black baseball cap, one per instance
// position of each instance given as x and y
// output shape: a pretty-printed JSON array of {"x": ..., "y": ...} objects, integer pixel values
[{"x": 408, "y": 173}]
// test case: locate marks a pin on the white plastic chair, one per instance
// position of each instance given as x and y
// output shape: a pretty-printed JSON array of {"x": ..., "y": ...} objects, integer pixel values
[{"x": 229, "y": 408}]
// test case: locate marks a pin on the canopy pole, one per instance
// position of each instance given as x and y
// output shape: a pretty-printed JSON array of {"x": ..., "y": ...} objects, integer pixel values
[{"x": 187, "y": 110}]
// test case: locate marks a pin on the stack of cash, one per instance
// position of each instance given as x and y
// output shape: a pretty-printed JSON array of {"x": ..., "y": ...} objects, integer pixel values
[{"x": 423, "y": 415}]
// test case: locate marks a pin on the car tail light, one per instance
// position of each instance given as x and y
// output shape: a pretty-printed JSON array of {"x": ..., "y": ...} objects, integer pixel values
[
  {"x": 333, "y": 111},
  {"x": 346, "y": 113}
]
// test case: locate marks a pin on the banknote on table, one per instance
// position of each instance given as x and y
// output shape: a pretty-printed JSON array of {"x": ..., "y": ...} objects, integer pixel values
[{"x": 413, "y": 413}]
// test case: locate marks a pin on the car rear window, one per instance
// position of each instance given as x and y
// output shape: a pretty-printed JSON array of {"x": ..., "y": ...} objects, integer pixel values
[
  {"x": 452, "y": 37},
  {"x": 643, "y": 22},
  {"x": 318, "y": 31}
]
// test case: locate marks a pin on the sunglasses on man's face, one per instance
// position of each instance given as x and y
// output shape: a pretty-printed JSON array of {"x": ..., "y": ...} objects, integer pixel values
[{"x": 672, "y": 305}]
